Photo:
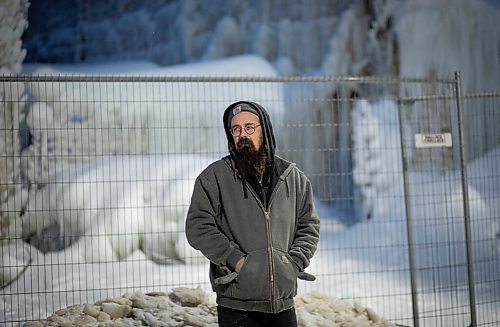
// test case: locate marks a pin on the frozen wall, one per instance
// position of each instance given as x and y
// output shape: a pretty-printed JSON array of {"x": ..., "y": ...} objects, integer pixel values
[
  {"x": 410, "y": 38},
  {"x": 377, "y": 37},
  {"x": 437, "y": 38}
]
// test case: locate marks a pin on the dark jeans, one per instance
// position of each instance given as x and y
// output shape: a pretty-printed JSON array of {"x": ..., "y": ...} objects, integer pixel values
[{"x": 238, "y": 318}]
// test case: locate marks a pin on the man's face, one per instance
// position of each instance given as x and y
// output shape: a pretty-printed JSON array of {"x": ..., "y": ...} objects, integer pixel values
[{"x": 243, "y": 119}]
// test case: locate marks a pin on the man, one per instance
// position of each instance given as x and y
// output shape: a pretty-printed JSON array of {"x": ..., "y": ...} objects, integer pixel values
[{"x": 252, "y": 215}]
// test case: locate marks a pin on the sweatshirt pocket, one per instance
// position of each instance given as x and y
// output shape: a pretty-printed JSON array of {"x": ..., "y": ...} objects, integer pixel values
[
  {"x": 286, "y": 273},
  {"x": 252, "y": 282},
  {"x": 221, "y": 277}
]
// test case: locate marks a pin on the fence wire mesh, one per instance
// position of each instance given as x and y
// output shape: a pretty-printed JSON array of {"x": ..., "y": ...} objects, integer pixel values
[{"x": 97, "y": 173}]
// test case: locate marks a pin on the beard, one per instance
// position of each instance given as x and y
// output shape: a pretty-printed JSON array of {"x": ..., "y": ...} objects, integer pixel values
[{"x": 249, "y": 160}]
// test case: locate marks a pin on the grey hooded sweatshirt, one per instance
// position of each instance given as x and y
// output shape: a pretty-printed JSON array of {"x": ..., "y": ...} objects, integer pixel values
[{"x": 227, "y": 220}]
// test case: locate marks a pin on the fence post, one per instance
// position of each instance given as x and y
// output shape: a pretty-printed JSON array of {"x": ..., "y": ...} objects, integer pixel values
[
  {"x": 408, "y": 212},
  {"x": 465, "y": 192}
]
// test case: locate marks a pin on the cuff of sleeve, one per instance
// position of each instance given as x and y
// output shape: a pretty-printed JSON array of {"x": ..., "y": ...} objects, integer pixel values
[
  {"x": 298, "y": 263},
  {"x": 233, "y": 257}
]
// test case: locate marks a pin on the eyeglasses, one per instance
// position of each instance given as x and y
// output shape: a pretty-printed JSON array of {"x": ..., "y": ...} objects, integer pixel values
[{"x": 249, "y": 129}]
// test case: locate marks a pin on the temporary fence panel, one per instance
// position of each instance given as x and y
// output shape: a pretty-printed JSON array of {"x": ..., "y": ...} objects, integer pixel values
[{"x": 97, "y": 173}]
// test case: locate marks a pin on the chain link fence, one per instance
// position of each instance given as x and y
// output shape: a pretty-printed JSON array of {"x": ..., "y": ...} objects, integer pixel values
[{"x": 97, "y": 173}]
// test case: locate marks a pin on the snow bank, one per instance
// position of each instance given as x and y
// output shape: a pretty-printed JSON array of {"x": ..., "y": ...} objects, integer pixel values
[{"x": 117, "y": 205}]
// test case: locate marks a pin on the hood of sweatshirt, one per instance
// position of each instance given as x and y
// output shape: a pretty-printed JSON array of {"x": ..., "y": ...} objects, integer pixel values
[{"x": 265, "y": 122}]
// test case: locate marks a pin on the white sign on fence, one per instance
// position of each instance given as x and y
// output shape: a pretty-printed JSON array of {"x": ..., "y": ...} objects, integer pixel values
[{"x": 432, "y": 140}]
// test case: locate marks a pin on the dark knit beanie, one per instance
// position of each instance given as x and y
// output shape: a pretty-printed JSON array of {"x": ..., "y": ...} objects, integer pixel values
[{"x": 240, "y": 108}]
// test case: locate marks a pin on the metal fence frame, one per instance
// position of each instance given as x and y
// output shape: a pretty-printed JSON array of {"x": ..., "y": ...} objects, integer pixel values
[{"x": 393, "y": 85}]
